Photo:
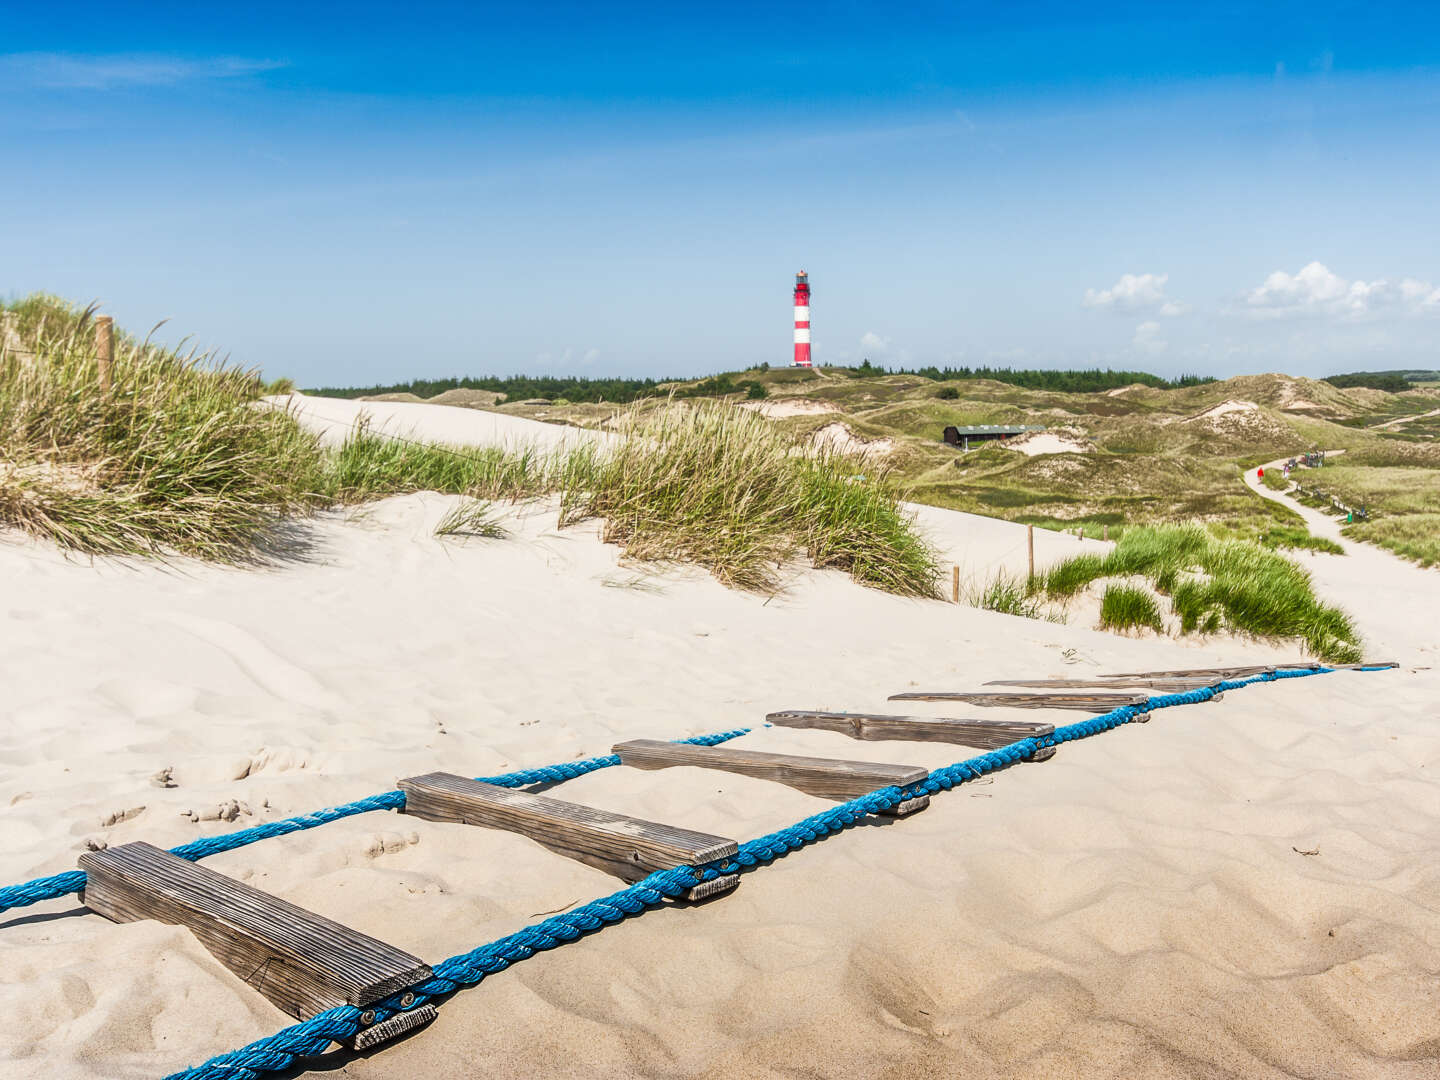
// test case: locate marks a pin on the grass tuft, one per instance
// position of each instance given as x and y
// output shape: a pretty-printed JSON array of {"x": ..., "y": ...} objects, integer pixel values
[
  {"x": 721, "y": 487},
  {"x": 471, "y": 518},
  {"x": 1007, "y": 595},
  {"x": 1067, "y": 578},
  {"x": 1125, "y": 607},
  {"x": 1218, "y": 584}
]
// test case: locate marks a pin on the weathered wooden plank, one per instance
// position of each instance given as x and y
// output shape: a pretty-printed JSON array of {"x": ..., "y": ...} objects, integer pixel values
[
  {"x": 872, "y": 727},
  {"x": 1364, "y": 664},
  {"x": 1240, "y": 672},
  {"x": 829, "y": 778},
  {"x": 627, "y": 847},
  {"x": 301, "y": 961},
  {"x": 1112, "y": 682},
  {"x": 1096, "y": 703}
]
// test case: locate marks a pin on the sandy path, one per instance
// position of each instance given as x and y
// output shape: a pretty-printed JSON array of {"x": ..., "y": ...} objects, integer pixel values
[
  {"x": 1404, "y": 420},
  {"x": 1318, "y": 523},
  {"x": 1133, "y": 907},
  {"x": 1391, "y": 599}
]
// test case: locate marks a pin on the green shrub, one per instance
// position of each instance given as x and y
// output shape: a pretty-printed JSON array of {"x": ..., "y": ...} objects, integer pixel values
[{"x": 947, "y": 393}]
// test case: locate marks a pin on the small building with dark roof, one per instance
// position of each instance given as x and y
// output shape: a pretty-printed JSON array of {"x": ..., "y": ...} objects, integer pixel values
[{"x": 963, "y": 437}]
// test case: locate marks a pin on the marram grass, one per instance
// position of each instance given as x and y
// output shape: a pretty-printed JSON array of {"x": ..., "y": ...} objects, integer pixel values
[
  {"x": 179, "y": 457},
  {"x": 174, "y": 457},
  {"x": 1126, "y": 607},
  {"x": 707, "y": 483},
  {"x": 1219, "y": 584}
]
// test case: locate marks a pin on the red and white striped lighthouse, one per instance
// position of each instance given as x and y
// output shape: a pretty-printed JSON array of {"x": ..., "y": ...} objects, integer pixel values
[{"x": 802, "y": 320}]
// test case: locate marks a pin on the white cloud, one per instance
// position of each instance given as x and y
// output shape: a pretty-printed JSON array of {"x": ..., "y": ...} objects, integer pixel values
[
  {"x": 1136, "y": 292},
  {"x": 874, "y": 342},
  {"x": 66, "y": 71},
  {"x": 1147, "y": 339},
  {"x": 1316, "y": 290}
]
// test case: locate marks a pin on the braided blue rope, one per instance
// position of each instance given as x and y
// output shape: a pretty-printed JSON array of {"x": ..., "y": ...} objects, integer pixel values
[
  {"x": 313, "y": 1037},
  {"x": 72, "y": 881}
]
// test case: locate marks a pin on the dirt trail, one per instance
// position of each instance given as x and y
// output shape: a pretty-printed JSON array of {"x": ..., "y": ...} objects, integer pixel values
[
  {"x": 1404, "y": 420},
  {"x": 1318, "y": 523},
  {"x": 1383, "y": 592}
]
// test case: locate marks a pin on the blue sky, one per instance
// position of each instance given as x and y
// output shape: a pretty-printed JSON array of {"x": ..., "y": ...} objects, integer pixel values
[{"x": 364, "y": 193}]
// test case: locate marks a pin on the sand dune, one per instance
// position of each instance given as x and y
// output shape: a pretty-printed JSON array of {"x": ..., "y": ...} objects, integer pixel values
[
  {"x": 1133, "y": 907},
  {"x": 335, "y": 417}
]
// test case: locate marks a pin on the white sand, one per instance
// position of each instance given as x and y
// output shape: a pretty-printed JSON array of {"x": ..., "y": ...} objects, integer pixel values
[
  {"x": 1133, "y": 907},
  {"x": 335, "y": 417},
  {"x": 1225, "y": 408},
  {"x": 1033, "y": 443},
  {"x": 839, "y": 438},
  {"x": 777, "y": 410}
]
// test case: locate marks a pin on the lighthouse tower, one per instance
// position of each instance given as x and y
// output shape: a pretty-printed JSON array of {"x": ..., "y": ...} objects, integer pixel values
[{"x": 802, "y": 320}]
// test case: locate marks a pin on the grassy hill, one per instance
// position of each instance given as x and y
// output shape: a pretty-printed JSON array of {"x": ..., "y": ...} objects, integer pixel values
[{"x": 1144, "y": 452}]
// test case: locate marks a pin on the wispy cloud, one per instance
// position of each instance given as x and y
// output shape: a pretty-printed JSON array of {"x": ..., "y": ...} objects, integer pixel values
[
  {"x": 1147, "y": 339},
  {"x": 73, "y": 71}
]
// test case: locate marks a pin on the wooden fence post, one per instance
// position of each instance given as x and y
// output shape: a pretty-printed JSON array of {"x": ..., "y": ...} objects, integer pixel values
[
  {"x": 104, "y": 347},
  {"x": 1030, "y": 544},
  {"x": 955, "y": 584},
  {"x": 1105, "y": 533}
]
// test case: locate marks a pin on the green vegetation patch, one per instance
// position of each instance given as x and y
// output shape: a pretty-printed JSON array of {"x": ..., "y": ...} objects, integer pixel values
[
  {"x": 178, "y": 456},
  {"x": 723, "y": 488},
  {"x": 173, "y": 456},
  {"x": 1125, "y": 607},
  {"x": 1219, "y": 584},
  {"x": 1008, "y": 595},
  {"x": 1413, "y": 536}
]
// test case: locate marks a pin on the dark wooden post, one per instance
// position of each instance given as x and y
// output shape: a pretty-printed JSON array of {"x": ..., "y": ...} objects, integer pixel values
[
  {"x": 1030, "y": 544},
  {"x": 955, "y": 584}
]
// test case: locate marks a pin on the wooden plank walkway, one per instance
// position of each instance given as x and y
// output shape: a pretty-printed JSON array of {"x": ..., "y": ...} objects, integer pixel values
[
  {"x": 627, "y": 847},
  {"x": 1113, "y": 682},
  {"x": 1200, "y": 673},
  {"x": 1095, "y": 703},
  {"x": 872, "y": 727},
  {"x": 829, "y": 778},
  {"x": 301, "y": 961}
]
